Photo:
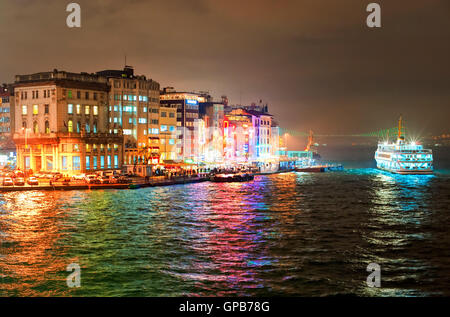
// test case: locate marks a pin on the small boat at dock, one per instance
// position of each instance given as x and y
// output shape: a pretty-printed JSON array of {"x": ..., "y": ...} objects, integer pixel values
[{"x": 228, "y": 178}]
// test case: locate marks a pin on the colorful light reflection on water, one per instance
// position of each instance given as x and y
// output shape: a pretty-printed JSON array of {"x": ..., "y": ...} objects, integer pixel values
[{"x": 287, "y": 234}]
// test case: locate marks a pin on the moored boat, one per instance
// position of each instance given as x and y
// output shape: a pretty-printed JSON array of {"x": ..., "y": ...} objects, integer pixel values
[{"x": 228, "y": 178}]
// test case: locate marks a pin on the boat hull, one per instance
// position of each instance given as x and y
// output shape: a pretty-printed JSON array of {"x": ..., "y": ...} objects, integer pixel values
[
  {"x": 406, "y": 172},
  {"x": 314, "y": 169}
]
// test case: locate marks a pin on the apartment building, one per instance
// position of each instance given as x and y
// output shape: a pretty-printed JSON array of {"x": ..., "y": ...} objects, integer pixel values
[{"x": 133, "y": 106}]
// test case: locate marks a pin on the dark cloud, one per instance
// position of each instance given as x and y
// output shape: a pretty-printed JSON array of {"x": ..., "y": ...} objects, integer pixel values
[{"x": 315, "y": 62}]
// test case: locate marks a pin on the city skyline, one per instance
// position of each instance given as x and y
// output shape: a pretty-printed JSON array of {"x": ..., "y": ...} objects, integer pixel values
[
  {"x": 317, "y": 65},
  {"x": 222, "y": 156}
]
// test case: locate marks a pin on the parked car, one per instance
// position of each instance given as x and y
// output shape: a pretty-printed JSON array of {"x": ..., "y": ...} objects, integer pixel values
[
  {"x": 113, "y": 180},
  {"x": 91, "y": 179},
  {"x": 32, "y": 181},
  {"x": 103, "y": 179},
  {"x": 79, "y": 177},
  {"x": 7, "y": 181},
  {"x": 19, "y": 181}
]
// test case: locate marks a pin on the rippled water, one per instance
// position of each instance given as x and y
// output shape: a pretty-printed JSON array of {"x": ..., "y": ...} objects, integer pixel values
[{"x": 287, "y": 234}]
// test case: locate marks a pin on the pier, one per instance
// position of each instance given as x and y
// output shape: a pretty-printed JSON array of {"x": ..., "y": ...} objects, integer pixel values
[{"x": 79, "y": 185}]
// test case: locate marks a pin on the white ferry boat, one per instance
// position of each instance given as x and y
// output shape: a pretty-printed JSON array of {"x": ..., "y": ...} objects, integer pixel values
[{"x": 402, "y": 157}]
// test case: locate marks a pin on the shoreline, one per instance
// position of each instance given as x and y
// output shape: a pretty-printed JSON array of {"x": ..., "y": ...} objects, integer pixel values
[{"x": 133, "y": 185}]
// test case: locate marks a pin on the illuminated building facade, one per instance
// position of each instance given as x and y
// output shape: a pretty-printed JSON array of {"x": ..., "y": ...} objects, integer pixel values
[
  {"x": 239, "y": 136},
  {"x": 212, "y": 114},
  {"x": 251, "y": 136},
  {"x": 61, "y": 124},
  {"x": 168, "y": 133},
  {"x": 7, "y": 146},
  {"x": 6, "y": 111},
  {"x": 133, "y": 108},
  {"x": 262, "y": 124},
  {"x": 188, "y": 121}
]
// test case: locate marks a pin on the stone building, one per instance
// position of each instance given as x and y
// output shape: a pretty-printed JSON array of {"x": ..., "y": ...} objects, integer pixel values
[{"x": 62, "y": 123}]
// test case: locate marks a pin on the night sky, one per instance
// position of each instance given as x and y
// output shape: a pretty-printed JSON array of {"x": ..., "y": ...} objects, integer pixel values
[{"x": 315, "y": 62}]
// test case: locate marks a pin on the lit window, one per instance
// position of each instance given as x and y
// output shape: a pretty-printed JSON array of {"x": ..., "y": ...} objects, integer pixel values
[
  {"x": 163, "y": 128},
  {"x": 95, "y": 110},
  {"x": 70, "y": 126},
  {"x": 24, "y": 109},
  {"x": 35, "y": 109},
  {"x": 78, "y": 109},
  {"x": 86, "y": 110},
  {"x": 76, "y": 166},
  {"x": 64, "y": 162},
  {"x": 70, "y": 108}
]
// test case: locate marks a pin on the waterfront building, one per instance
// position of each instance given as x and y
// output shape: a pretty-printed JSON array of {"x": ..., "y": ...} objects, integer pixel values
[
  {"x": 167, "y": 133},
  {"x": 212, "y": 114},
  {"x": 7, "y": 146},
  {"x": 188, "y": 121},
  {"x": 239, "y": 136},
  {"x": 251, "y": 135},
  {"x": 133, "y": 107},
  {"x": 262, "y": 124},
  {"x": 61, "y": 123},
  {"x": 6, "y": 111}
]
